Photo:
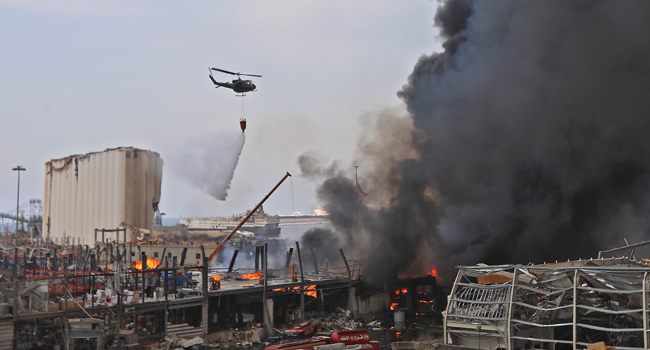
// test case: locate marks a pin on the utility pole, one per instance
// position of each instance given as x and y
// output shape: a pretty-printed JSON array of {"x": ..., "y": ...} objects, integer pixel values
[
  {"x": 18, "y": 169},
  {"x": 356, "y": 176}
]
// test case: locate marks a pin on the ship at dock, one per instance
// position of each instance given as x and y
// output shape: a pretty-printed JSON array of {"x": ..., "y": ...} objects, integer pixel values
[
  {"x": 260, "y": 224},
  {"x": 320, "y": 216}
]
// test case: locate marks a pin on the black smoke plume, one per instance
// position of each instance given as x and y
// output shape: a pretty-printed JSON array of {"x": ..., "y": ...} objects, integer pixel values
[
  {"x": 324, "y": 244},
  {"x": 531, "y": 140}
]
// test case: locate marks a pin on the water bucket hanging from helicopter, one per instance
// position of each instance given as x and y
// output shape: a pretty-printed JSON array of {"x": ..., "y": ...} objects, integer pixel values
[{"x": 242, "y": 124}]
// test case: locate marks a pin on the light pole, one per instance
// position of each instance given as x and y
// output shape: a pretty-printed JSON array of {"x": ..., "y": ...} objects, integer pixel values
[{"x": 18, "y": 169}]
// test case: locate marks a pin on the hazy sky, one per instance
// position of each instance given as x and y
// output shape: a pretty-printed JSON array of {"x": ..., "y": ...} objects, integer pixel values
[{"x": 83, "y": 76}]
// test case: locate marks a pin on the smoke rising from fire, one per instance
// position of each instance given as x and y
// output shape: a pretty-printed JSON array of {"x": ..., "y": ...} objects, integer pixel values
[
  {"x": 209, "y": 163},
  {"x": 528, "y": 142}
]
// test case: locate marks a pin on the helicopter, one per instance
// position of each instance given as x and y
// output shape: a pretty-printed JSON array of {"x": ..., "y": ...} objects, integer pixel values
[{"x": 238, "y": 85}]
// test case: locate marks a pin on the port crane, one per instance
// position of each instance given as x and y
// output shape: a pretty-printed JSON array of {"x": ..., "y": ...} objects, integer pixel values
[
  {"x": 34, "y": 221},
  {"x": 220, "y": 246}
]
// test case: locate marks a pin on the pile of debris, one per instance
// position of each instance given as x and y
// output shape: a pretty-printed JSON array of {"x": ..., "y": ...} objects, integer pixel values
[
  {"x": 174, "y": 342},
  {"x": 326, "y": 322}
]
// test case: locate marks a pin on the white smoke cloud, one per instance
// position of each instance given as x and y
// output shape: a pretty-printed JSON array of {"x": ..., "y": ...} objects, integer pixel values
[{"x": 209, "y": 162}]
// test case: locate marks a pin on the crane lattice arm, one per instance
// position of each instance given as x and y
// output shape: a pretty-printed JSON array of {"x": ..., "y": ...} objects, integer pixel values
[{"x": 218, "y": 248}]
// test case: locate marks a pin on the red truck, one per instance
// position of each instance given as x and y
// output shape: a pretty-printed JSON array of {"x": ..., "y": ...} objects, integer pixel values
[{"x": 300, "y": 331}]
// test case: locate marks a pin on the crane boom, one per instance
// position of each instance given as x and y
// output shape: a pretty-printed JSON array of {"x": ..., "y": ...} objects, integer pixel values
[{"x": 218, "y": 248}]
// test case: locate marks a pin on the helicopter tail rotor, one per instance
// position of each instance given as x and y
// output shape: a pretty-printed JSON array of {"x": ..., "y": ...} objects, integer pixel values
[{"x": 214, "y": 81}]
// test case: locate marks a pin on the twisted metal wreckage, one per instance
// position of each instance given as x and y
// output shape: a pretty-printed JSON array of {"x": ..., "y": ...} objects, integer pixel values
[{"x": 566, "y": 305}]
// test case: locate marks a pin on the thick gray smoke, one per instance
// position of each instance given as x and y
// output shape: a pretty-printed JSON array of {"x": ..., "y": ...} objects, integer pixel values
[
  {"x": 324, "y": 245},
  {"x": 531, "y": 135},
  {"x": 209, "y": 163}
]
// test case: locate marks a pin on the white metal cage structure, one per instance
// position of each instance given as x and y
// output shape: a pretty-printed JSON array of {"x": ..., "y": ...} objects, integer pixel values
[
  {"x": 100, "y": 190},
  {"x": 550, "y": 306}
]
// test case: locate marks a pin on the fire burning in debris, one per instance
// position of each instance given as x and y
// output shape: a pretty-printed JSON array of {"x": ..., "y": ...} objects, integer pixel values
[
  {"x": 432, "y": 273},
  {"x": 309, "y": 290},
  {"x": 151, "y": 264},
  {"x": 399, "y": 302},
  {"x": 252, "y": 276},
  {"x": 216, "y": 278}
]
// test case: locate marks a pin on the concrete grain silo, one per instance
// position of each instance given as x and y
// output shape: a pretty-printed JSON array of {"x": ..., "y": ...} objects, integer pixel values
[{"x": 101, "y": 190}]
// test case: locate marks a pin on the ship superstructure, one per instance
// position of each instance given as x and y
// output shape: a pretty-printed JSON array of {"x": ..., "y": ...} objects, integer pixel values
[{"x": 261, "y": 224}]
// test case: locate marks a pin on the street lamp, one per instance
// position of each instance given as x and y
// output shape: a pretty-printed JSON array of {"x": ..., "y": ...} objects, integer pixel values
[{"x": 18, "y": 169}]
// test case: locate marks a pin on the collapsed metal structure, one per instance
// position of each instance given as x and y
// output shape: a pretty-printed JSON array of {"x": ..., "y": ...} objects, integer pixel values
[{"x": 566, "y": 305}]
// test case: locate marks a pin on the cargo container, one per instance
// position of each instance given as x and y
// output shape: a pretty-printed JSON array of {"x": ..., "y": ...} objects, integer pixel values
[{"x": 101, "y": 190}]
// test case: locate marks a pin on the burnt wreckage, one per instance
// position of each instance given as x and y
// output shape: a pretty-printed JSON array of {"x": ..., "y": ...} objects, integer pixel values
[{"x": 565, "y": 305}]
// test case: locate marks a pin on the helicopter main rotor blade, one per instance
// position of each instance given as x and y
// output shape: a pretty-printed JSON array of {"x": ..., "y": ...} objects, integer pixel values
[
  {"x": 250, "y": 75},
  {"x": 224, "y": 71}
]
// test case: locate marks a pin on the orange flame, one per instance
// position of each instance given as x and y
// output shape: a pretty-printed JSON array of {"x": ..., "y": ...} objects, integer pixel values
[
  {"x": 309, "y": 290},
  {"x": 252, "y": 276},
  {"x": 151, "y": 264},
  {"x": 433, "y": 272},
  {"x": 405, "y": 290},
  {"x": 393, "y": 306},
  {"x": 216, "y": 278}
]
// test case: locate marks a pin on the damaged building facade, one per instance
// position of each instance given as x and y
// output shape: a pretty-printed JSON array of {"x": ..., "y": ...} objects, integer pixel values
[{"x": 564, "y": 305}]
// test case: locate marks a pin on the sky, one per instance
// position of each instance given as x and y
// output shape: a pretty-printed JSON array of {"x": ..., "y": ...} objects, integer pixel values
[{"x": 84, "y": 76}]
